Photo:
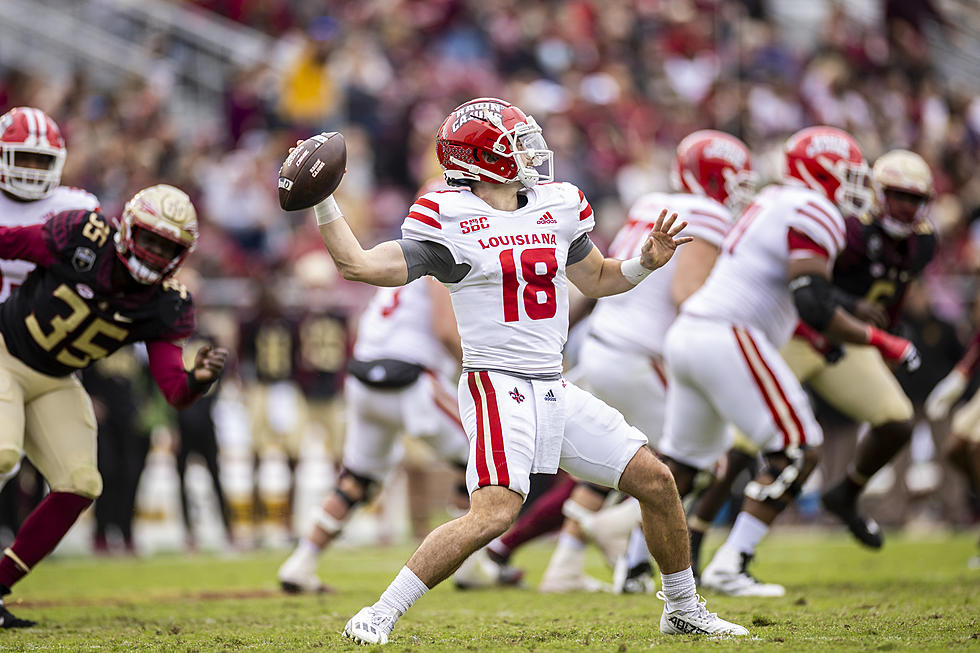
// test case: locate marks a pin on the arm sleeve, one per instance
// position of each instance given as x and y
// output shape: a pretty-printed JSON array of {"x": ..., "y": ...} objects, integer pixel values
[
  {"x": 579, "y": 249},
  {"x": 167, "y": 368},
  {"x": 25, "y": 243},
  {"x": 426, "y": 257}
]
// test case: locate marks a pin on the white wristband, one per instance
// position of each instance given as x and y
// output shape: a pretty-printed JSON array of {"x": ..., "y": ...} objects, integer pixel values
[
  {"x": 633, "y": 271},
  {"x": 327, "y": 211}
]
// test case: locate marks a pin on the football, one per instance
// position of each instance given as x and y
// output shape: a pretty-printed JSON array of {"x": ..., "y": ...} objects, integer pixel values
[{"x": 312, "y": 171}]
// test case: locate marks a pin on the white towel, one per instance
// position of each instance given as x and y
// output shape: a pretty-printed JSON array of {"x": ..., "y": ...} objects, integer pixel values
[{"x": 549, "y": 408}]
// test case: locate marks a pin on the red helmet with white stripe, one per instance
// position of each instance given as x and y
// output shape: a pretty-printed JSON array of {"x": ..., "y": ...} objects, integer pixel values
[
  {"x": 715, "y": 164},
  {"x": 32, "y": 153},
  {"x": 829, "y": 160},
  {"x": 490, "y": 140}
]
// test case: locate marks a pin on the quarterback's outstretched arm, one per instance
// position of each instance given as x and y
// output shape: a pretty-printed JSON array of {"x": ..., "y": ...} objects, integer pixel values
[
  {"x": 597, "y": 276},
  {"x": 382, "y": 265}
]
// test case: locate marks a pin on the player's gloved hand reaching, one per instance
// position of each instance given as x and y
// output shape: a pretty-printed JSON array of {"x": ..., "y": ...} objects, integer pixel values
[
  {"x": 945, "y": 394},
  {"x": 662, "y": 241},
  {"x": 208, "y": 364},
  {"x": 895, "y": 349}
]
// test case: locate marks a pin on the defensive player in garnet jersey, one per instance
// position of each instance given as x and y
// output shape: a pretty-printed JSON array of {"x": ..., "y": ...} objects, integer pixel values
[
  {"x": 506, "y": 241},
  {"x": 621, "y": 360},
  {"x": 723, "y": 350},
  {"x": 94, "y": 290},
  {"x": 407, "y": 349},
  {"x": 32, "y": 155},
  {"x": 887, "y": 247}
]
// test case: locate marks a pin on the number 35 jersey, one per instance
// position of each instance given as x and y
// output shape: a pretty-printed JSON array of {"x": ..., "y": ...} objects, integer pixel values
[
  {"x": 72, "y": 312},
  {"x": 512, "y": 305}
]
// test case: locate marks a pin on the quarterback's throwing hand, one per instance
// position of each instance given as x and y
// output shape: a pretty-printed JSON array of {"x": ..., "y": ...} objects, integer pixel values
[
  {"x": 662, "y": 241},
  {"x": 209, "y": 363}
]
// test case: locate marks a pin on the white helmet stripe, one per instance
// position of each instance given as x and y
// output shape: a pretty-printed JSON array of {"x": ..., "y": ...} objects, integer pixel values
[
  {"x": 42, "y": 126},
  {"x": 31, "y": 127}
]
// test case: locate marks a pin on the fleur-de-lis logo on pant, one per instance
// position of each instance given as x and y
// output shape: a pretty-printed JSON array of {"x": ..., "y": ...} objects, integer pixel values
[{"x": 516, "y": 395}]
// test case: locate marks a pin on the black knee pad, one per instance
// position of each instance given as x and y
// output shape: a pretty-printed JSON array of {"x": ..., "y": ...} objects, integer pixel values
[{"x": 369, "y": 488}]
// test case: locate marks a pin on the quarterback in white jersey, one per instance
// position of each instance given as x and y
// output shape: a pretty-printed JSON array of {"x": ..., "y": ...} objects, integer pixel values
[
  {"x": 621, "y": 359},
  {"x": 406, "y": 351},
  {"x": 723, "y": 350},
  {"x": 507, "y": 246},
  {"x": 32, "y": 155}
]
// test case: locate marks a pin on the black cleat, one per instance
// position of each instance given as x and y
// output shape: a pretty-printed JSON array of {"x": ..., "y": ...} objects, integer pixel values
[
  {"x": 842, "y": 503},
  {"x": 8, "y": 620}
]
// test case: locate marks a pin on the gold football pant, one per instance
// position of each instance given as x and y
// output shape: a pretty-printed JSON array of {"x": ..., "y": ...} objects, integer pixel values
[
  {"x": 51, "y": 420},
  {"x": 859, "y": 385}
]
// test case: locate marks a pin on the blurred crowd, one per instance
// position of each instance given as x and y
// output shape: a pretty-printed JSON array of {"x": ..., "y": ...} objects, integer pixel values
[{"x": 614, "y": 84}]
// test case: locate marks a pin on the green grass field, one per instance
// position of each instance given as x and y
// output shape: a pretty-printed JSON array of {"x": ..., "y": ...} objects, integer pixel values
[{"x": 916, "y": 594}]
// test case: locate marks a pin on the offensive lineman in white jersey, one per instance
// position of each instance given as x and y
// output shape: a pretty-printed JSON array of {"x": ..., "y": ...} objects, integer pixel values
[
  {"x": 406, "y": 351},
  {"x": 32, "y": 156},
  {"x": 723, "y": 350},
  {"x": 621, "y": 360},
  {"x": 501, "y": 243}
]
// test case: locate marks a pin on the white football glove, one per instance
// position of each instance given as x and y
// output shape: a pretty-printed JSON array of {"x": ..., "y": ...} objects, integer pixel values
[{"x": 945, "y": 394}]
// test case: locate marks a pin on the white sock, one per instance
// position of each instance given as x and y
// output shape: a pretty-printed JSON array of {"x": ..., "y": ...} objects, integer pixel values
[
  {"x": 499, "y": 547},
  {"x": 680, "y": 591},
  {"x": 637, "y": 551},
  {"x": 569, "y": 541},
  {"x": 747, "y": 532},
  {"x": 308, "y": 548},
  {"x": 404, "y": 591}
]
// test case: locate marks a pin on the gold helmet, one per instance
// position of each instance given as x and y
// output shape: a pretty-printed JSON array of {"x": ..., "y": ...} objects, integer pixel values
[
  {"x": 903, "y": 187},
  {"x": 157, "y": 230}
]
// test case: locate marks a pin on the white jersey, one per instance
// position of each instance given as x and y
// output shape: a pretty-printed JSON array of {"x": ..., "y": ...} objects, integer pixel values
[
  {"x": 20, "y": 214},
  {"x": 512, "y": 306},
  {"x": 749, "y": 284},
  {"x": 397, "y": 324},
  {"x": 639, "y": 319}
]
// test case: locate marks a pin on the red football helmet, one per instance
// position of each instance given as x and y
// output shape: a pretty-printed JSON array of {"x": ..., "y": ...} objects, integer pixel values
[
  {"x": 829, "y": 160},
  {"x": 487, "y": 139},
  {"x": 715, "y": 164},
  {"x": 32, "y": 153}
]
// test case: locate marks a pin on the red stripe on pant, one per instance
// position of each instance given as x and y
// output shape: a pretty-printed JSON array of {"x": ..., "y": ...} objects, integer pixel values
[
  {"x": 787, "y": 438},
  {"x": 496, "y": 433},
  {"x": 782, "y": 394},
  {"x": 482, "y": 473}
]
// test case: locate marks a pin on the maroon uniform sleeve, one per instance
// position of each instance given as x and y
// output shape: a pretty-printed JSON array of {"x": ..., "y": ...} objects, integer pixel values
[
  {"x": 167, "y": 368},
  {"x": 968, "y": 364},
  {"x": 26, "y": 243}
]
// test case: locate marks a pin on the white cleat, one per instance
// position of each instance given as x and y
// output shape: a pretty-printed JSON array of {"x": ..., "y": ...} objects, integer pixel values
[
  {"x": 370, "y": 626},
  {"x": 573, "y": 582},
  {"x": 636, "y": 580},
  {"x": 727, "y": 573},
  {"x": 298, "y": 574},
  {"x": 480, "y": 572},
  {"x": 697, "y": 622}
]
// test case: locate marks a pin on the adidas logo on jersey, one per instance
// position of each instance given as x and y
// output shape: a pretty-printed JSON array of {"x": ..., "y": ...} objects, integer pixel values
[
  {"x": 547, "y": 219},
  {"x": 550, "y": 396}
]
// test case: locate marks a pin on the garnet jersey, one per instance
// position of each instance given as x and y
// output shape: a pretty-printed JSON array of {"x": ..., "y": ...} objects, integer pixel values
[
  {"x": 17, "y": 214},
  {"x": 877, "y": 267},
  {"x": 71, "y": 313},
  {"x": 397, "y": 324},
  {"x": 749, "y": 284},
  {"x": 269, "y": 346},
  {"x": 512, "y": 305},
  {"x": 322, "y": 354},
  {"x": 640, "y": 318}
]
